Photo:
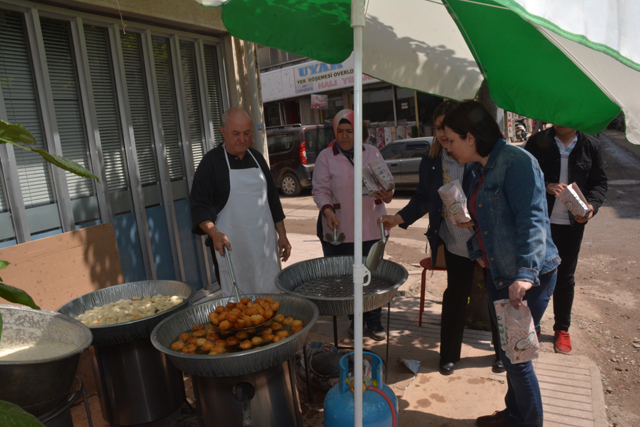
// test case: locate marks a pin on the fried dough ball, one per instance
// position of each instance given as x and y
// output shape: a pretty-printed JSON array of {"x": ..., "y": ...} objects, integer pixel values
[
  {"x": 241, "y": 306},
  {"x": 276, "y": 326},
  {"x": 224, "y": 325},
  {"x": 189, "y": 348},
  {"x": 221, "y": 309},
  {"x": 296, "y": 323},
  {"x": 277, "y": 338},
  {"x": 275, "y": 306},
  {"x": 279, "y": 318},
  {"x": 232, "y": 317},
  {"x": 259, "y": 300},
  {"x": 256, "y": 340},
  {"x": 231, "y": 305},
  {"x": 192, "y": 340},
  {"x": 257, "y": 319},
  {"x": 249, "y": 304},
  {"x": 210, "y": 329},
  {"x": 251, "y": 331},
  {"x": 217, "y": 350},
  {"x": 269, "y": 300},
  {"x": 220, "y": 343},
  {"x": 251, "y": 311},
  {"x": 185, "y": 336},
  {"x": 245, "y": 300},
  {"x": 200, "y": 333},
  {"x": 212, "y": 337},
  {"x": 236, "y": 311},
  {"x": 268, "y": 337},
  {"x": 268, "y": 313},
  {"x": 222, "y": 316},
  {"x": 261, "y": 311},
  {"x": 288, "y": 321},
  {"x": 197, "y": 327},
  {"x": 242, "y": 335},
  {"x": 239, "y": 324},
  {"x": 282, "y": 334},
  {"x": 232, "y": 341},
  {"x": 208, "y": 346},
  {"x": 247, "y": 320},
  {"x": 246, "y": 345},
  {"x": 200, "y": 342},
  {"x": 178, "y": 345},
  {"x": 213, "y": 318},
  {"x": 295, "y": 329},
  {"x": 267, "y": 331}
]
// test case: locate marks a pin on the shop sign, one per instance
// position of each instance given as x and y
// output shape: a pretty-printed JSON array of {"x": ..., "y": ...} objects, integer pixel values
[
  {"x": 404, "y": 105},
  {"x": 316, "y": 76},
  {"x": 510, "y": 124},
  {"x": 319, "y": 102}
]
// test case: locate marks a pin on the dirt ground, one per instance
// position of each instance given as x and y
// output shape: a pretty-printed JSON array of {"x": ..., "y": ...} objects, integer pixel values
[{"x": 606, "y": 324}]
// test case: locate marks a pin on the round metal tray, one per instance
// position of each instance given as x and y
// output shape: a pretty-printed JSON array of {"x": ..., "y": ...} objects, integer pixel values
[
  {"x": 136, "y": 329},
  {"x": 240, "y": 363},
  {"x": 328, "y": 282}
]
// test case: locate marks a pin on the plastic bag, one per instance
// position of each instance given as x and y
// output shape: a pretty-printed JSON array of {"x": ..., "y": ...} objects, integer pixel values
[
  {"x": 517, "y": 332},
  {"x": 574, "y": 200},
  {"x": 455, "y": 203}
]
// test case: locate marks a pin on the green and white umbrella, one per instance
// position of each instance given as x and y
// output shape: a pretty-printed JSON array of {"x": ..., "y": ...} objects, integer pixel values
[{"x": 569, "y": 62}]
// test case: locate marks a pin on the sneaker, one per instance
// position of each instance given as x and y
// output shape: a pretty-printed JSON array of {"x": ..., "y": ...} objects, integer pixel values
[
  {"x": 563, "y": 342},
  {"x": 377, "y": 332}
]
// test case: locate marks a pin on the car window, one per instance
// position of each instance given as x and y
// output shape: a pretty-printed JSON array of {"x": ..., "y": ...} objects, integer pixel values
[
  {"x": 415, "y": 150},
  {"x": 280, "y": 143},
  {"x": 392, "y": 151}
]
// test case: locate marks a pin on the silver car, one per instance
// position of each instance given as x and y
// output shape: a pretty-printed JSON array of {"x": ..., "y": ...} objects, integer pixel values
[{"x": 403, "y": 160}]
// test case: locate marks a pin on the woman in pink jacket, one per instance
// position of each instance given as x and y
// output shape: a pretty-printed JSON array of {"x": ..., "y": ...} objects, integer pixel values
[{"x": 333, "y": 194}]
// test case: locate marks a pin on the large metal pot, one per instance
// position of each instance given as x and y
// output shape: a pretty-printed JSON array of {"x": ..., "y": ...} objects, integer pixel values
[
  {"x": 234, "y": 364},
  {"x": 41, "y": 384},
  {"x": 328, "y": 283}
]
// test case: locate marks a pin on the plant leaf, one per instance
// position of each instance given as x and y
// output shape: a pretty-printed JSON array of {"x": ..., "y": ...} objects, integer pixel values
[
  {"x": 17, "y": 296},
  {"x": 3, "y": 263},
  {"x": 16, "y": 133},
  {"x": 12, "y": 415},
  {"x": 66, "y": 164}
]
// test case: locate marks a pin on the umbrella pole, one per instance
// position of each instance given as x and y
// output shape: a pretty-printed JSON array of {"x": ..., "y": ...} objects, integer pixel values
[{"x": 357, "y": 22}]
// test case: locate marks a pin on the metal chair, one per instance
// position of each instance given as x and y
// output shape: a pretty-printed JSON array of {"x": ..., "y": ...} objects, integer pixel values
[{"x": 426, "y": 265}]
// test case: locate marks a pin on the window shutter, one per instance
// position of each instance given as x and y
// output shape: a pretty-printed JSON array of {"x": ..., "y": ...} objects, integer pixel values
[
  {"x": 106, "y": 107},
  {"x": 168, "y": 106},
  {"x": 191, "y": 91},
  {"x": 212, "y": 71},
  {"x": 139, "y": 106},
  {"x": 21, "y": 102},
  {"x": 64, "y": 85},
  {"x": 4, "y": 206}
]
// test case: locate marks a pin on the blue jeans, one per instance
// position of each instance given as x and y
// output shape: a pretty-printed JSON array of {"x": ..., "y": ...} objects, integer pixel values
[{"x": 523, "y": 400}]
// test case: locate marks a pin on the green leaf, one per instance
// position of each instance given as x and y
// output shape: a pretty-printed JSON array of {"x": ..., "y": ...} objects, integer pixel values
[
  {"x": 3, "y": 263},
  {"x": 17, "y": 296},
  {"x": 16, "y": 133},
  {"x": 66, "y": 164},
  {"x": 12, "y": 415}
]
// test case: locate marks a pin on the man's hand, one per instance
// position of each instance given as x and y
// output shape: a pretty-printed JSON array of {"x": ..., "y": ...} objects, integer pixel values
[
  {"x": 555, "y": 189},
  {"x": 284, "y": 248},
  {"x": 516, "y": 292},
  {"x": 332, "y": 219},
  {"x": 391, "y": 221},
  {"x": 219, "y": 241},
  {"x": 583, "y": 219}
]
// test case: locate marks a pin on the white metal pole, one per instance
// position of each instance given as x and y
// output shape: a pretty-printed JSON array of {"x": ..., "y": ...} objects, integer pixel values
[{"x": 357, "y": 22}]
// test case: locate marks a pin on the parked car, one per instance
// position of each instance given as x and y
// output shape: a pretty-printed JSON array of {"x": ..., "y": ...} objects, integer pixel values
[
  {"x": 293, "y": 150},
  {"x": 403, "y": 159}
]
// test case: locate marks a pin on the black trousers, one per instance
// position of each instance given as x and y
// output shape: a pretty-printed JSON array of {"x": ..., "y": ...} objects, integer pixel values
[
  {"x": 567, "y": 239},
  {"x": 371, "y": 318},
  {"x": 454, "y": 305}
]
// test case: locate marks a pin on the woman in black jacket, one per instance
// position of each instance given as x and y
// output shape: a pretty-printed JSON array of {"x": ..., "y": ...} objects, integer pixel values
[{"x": 437, "y": 169}]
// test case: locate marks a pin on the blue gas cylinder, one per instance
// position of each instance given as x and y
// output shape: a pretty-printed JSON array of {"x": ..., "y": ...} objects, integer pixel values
[{"x": 339, "y": 402}]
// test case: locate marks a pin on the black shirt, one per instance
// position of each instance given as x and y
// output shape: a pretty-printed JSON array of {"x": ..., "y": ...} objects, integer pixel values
[{"x": 211, "y": 186}]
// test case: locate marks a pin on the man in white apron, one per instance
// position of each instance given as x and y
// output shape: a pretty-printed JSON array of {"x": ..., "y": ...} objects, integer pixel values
[{"x": 234, "y": 201}]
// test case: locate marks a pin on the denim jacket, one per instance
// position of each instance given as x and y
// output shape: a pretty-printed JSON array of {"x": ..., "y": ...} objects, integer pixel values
[{"x": 512, "y": 217}]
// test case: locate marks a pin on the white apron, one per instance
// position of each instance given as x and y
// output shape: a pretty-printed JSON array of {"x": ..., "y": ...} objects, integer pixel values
[{"x": 248, "y": 224}]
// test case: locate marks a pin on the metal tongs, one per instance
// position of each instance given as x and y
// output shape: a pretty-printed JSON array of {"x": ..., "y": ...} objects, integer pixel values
[
  {"x": 334, "y": 238},
  {"x": 232, "y": 275}
]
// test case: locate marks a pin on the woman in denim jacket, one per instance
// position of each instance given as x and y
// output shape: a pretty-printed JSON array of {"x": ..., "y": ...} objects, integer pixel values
[{"x": 512, "y": 240}]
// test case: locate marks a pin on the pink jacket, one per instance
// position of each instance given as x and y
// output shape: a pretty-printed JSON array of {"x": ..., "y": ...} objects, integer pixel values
[{"x": 333, "y": 186}]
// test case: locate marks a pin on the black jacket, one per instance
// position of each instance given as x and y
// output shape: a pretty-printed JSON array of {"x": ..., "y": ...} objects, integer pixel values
[
  {"x": 586, "y": 166},
  {"x": 428, "y": 200}
]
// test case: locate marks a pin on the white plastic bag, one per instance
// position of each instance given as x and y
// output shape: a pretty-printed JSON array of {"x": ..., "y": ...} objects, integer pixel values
[
  {"x": 574, "y": 200},
  {"x": 454, "y": 202},
  {"x": 517, "y": 332}
]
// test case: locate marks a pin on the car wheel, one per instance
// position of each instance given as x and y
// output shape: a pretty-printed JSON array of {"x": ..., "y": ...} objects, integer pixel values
[{"x": 290, "y": 185}]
